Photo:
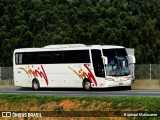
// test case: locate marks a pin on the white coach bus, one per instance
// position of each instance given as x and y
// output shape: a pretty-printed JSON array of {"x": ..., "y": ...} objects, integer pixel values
[{"x": 72, "y": 66}]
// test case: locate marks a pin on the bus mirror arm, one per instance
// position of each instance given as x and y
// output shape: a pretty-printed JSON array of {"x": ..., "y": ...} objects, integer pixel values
[{"x": 105, "y": 60}]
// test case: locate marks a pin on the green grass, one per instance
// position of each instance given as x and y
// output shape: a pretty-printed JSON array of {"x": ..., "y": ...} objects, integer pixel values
[
  {"x": 150, "y": 103},
  {"x": 58, "y": 108},
  {"x": 117, "y": 104}
]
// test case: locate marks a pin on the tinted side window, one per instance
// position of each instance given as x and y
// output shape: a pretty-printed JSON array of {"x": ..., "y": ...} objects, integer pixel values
[
  {"x": 57, "y": 57},
  {"x": 110, "y": 53},
  {"x": 82, "y": 56},
  {"x": 53, "y": 57},
  {"x": 18, "y": 58},
  {"x": 98, "y": 63},
  {"x": 44, "y": 57},
  {"x": 77, "y": 56},
  {"x": 29, "y": 58},
  {"x": 70, "y": 56},
  {"x": 121, "y": 52}
]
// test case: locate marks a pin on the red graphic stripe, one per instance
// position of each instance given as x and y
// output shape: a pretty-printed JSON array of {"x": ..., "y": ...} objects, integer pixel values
[
  {"x": 44, "y": 75},
  {"x": 35, "y": 73},
  {"x": 90, "y": 74}
]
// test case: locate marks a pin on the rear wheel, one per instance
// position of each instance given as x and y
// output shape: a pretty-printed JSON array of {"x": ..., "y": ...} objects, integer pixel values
[
  {"x": 87, "y": 85},
  {"x": 35, "y": 84}
]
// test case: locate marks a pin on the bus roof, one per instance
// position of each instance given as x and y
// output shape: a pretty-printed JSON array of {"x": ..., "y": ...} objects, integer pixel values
[{"x": 68, "y": 47}]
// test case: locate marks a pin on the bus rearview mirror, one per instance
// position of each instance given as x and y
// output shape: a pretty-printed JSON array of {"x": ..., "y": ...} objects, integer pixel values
[
  {"x": 132, "y": 59},
  {"x": 105, "y": 60}
]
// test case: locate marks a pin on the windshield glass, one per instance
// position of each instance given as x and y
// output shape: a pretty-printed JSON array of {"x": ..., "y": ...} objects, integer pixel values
[{"x": 117, "y": 62}]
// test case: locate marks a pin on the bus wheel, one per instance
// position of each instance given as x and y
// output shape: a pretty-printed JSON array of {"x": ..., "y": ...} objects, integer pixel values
[
  {"x": 35, "y": 84},
  {"x": 87, "y": 84},
  {"x": 128, "y": 88}
]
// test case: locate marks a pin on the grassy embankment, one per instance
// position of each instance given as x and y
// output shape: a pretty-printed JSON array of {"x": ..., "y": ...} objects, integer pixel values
[{"x": 105, "y": 107}]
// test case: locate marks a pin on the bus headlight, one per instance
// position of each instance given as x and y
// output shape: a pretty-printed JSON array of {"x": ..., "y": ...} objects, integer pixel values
[{"x": 129, "y": 77}]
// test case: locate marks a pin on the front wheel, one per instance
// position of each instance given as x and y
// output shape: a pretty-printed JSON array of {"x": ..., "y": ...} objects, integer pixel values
[
  {"x": 129, "y": 88},
  {"x": 35, "y": 84},
  {"x": 87, "y": 85}
]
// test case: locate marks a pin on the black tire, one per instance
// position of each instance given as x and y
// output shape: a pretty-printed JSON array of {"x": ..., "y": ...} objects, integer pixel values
[
  {"x": 87, "y": 85},
  {"x": 35, "y": 84},
  {"x": 127, "y": 88}
]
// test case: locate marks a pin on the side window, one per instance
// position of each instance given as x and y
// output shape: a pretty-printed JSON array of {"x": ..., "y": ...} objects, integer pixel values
[
  {"x": 29, "y": 58},
  {"x": 110, "y": 54},
  {"x": 76, "y": 56},
  {"x": 82, "y": 56},
  {"x": 69, "y": 56},
  {"x": 18, "y": 58},
  {"x": 57, "y": 57},
  {"x": 53, "y": 57},
  {"x": 44, "y": 58},
  {"x": 98, "y": 63}
]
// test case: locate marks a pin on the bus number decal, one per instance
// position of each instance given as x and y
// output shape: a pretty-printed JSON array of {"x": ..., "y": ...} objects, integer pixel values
[{"x": 35, "y": 72}]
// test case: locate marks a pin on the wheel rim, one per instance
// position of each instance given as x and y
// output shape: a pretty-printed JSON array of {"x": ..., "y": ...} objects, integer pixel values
[
  {"x": 35, "y": 85},
  {"x": 87, "y": 85}
]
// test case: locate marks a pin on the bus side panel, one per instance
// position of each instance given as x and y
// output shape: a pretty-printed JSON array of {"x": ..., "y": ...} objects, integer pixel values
[
  {"x": 57, "y": 75},
  {"x": 48, "y": 75},
  {"x": 66, "y": 75},
  {"x": 21, "y": 79}
]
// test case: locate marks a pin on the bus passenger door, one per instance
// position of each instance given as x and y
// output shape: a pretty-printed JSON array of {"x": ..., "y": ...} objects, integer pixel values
[
  {"x": 98, "y": 67},
  {"x": 98, "y": 63}
]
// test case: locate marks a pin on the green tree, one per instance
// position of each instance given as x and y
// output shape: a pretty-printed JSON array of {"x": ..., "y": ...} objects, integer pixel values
[{"x": 36, "y": 23}]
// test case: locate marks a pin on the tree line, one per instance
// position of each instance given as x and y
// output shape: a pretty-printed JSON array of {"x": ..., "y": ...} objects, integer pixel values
[{"x": 37, "y": 23}]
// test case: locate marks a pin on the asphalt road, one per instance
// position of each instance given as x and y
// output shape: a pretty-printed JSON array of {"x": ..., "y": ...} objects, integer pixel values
[{"x": 80, "y": 92}]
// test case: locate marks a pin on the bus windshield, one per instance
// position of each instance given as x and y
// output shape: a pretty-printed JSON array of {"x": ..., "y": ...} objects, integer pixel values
[{"x": 117, "y": 62}]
